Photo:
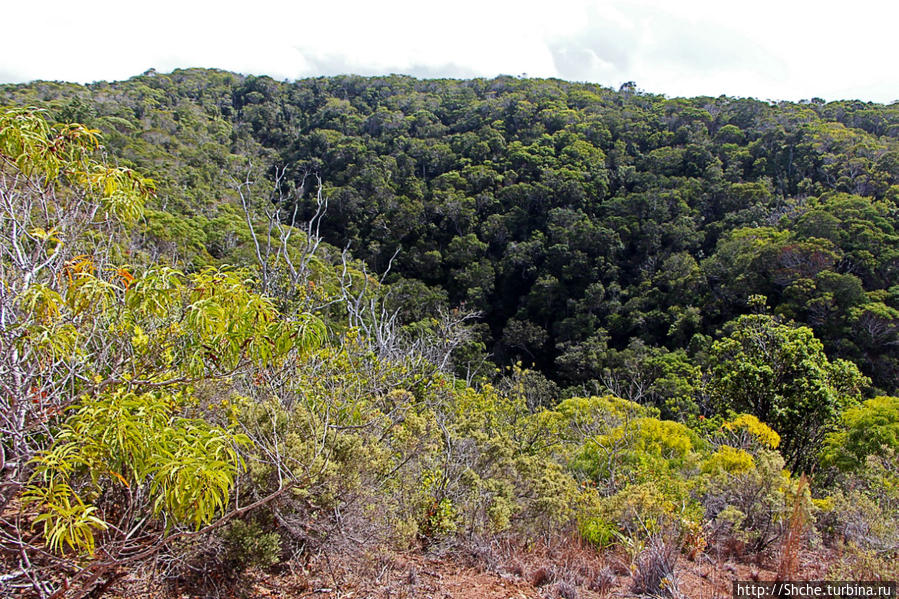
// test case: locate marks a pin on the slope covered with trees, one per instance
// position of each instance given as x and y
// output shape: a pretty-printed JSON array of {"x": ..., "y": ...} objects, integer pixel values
[
  {"x": 197, "y": 379},
  {"x": 576, "y": 219}
]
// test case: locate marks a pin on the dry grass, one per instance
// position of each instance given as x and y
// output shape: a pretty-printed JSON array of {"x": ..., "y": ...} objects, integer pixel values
[{"x": 788, "y": 565}]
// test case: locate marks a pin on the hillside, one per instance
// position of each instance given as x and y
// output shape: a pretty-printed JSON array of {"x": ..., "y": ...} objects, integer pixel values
[
  {"x": 323, "y": 331},
  {"x": 577, "y": 220}
]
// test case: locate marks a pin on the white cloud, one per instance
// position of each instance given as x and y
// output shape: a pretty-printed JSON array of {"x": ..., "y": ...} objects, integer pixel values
[{"x": 768, "y": 48}]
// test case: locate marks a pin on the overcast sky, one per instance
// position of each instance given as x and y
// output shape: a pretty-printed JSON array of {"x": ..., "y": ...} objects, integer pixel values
[{"x": 768, "y": 49}]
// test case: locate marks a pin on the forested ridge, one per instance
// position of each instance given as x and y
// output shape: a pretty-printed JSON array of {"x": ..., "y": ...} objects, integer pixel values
[
  {"x": 250, "y": 323},
  {"x": 577, "y": 219}
]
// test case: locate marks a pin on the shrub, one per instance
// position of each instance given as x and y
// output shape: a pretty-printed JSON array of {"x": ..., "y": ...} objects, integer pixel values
[
  {"x": 869, "y": 429},
  {"x": 585, "y": 417},
  {"x": 643, "y": 509},
  {"x": 654, "y": 570},
  {"x": 863, "y": 511},
  {"x": 748, "y": 431},
  {"x": 598, "y": 532},
  {"x": 750, "y": 510},
  {"x": 877, "y": 566},
  {"x": 634, "y": 451},
  {"x": 247, "y": 545},
  {"x": 728, "y": 460}
]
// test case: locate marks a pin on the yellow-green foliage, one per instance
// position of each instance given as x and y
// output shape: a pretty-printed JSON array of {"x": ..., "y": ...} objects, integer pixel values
[
  {"x": 249, "y": 545},
  {"x": 877, "y": 565},
  {"x": 139, "y": 340},
  {"x": 66, "y": 520},
  {"x": 663, "y": 438},
  {"x": 62, "y": 153},
  {"x": 442, "y": 518},
  {"x": 498, "y": 467},
  {"x": 854, "y": 516},
  {"x": 641, "y": 473},
  {"x": 728, "y": 460},
  {"x": 588, "y": 416},
  {"x": 646, "y": 508},
  {"x": 644, "y": 447},
  {"x": 172, "y": 363},
  {"x": 123, "y": 439},
  {"x": 210, "y": 321},
  {"x": 863, "y": 508},
  {"x": 196, "y": 324},
  {"x": 598, "y": 532},
  {"x": 747, "y": 424},
  {"x": 360, "y": 442},
  {"x": 869, "y": 429},
  {"x": 654, "y": 475},
  {"x": 487, "y": 409}
]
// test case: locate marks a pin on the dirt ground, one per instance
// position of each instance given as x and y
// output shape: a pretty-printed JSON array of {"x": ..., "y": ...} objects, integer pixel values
[{"x": 402, "y": 576}]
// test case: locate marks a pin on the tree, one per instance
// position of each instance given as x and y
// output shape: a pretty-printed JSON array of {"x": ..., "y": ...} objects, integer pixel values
[
  {"x": 108, "y": 370},
  {"x": 779, "y": 373}
]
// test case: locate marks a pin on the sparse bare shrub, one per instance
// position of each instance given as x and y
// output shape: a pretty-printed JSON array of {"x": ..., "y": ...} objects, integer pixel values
[
  {"x": 212, "y": 565},
  {"x": 566, "y": 590},
  {"x": 194, "y": 566},
  {"x": 654, "y": 569},
  {"x": 602, "y": 581},
  {"x": 552, "y": 559},
  {"x": 749, "y": 512},
  {"x": 879, "y": 566}
]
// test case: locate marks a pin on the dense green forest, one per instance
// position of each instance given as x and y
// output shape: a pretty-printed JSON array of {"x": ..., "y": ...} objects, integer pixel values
[
  {"x": 591, "y": 229},
  {"x": 245, "y": 322}
]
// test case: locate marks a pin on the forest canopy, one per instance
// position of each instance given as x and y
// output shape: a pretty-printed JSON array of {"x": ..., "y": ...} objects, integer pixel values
[{"x": 576, "y": 219}]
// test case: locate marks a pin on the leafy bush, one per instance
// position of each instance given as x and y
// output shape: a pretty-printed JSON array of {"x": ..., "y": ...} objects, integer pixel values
[
  {"x": 728, "y": 460},
  {"x": 748, "y": 431},
  {"x": 748, "y": 510},
  {"x": 598, "y": 532},
  {"x": 862, "y": 510},
  {"x": 248, "y": 545},
  {"x": 635, "y": 451},
  {"x": 869, "y": 429}
]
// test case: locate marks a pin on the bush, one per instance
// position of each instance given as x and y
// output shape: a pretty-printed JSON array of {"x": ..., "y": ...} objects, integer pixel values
[
  {"x": 749, "y": 510},
  {"x": 644, "y": 509},
  {"x": 640, "y": 449},
  {"x": 863, "y": 511},
  {"x": 503, "y": 470},
  {"x": 654, "y": 570},
  {"x": 876, "y": 566},
  {"x": 869, "y": 429},
  {"x": 728, "y": 460},
  {"x": 747, "y": 431},
  {"x": 598, "y": 532},
  {"x": 780, "y": 374},
  {"x": 247, "y": 545}
]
